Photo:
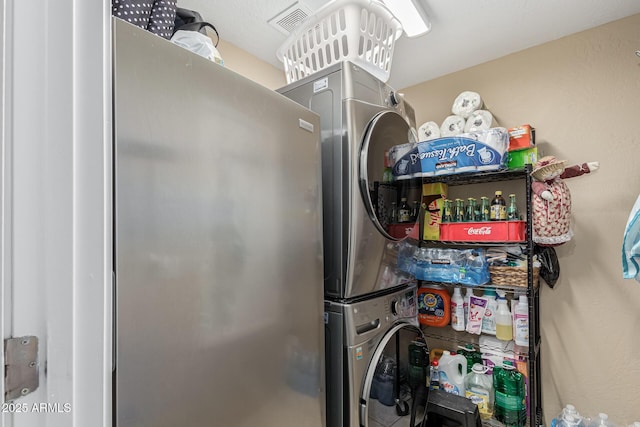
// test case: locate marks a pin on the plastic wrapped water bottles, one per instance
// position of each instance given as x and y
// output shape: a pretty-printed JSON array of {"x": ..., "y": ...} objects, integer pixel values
[{"x": 602, "y": 420}]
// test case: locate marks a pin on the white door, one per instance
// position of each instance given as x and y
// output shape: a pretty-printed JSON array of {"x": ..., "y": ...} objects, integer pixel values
[{"x": 56, "y": 205}]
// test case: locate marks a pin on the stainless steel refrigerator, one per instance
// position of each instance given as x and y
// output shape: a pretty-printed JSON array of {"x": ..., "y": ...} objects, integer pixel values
[{"x": 217, "y": 246}]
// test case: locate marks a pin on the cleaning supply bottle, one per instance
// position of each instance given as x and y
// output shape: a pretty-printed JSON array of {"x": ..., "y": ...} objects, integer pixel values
[
  {"x": 521, "y": 322},
  {"x": 467, "y": 296},
  {"x": 504, "y": 321},
  {"x": 452, "y": 369},
  {"x": 471, "y": 354},
  {"x": 434, "y": 306},
  {"x": 489, "y": 318},
  {"x": 434, "y": 375},
  {"x": 510, "y": 395},
  {"x": 457, "y": 310},
  {"x": 479, "y": 389}
]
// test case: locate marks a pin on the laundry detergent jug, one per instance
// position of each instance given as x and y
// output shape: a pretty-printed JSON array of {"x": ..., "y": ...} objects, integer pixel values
[{"x": 452, "y": 369}]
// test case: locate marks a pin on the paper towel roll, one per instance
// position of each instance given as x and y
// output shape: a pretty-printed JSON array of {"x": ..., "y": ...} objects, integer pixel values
[
  {"x": 480, "y": 120},
  {"x": 466, "y": 103},
  {"x": 428, "y": 131},
  {"x": 452, "y": 125}
]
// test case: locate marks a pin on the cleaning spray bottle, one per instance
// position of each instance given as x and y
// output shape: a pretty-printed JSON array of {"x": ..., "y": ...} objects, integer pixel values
[
  {"x": 521, "y": 322},
  {"x": 504, "y": 321},
  {"x": 489, "y": 318}
]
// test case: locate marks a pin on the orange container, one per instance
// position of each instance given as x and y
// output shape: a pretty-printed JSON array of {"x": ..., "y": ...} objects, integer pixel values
[
  {"x": 521, "y": 137},
  {"x": 434, "y": 306}
]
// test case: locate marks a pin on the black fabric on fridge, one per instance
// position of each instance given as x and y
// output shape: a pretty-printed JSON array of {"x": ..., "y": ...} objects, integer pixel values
[
  {"x": 156, "y": 16},
  {"x": 190, "y": 20}
]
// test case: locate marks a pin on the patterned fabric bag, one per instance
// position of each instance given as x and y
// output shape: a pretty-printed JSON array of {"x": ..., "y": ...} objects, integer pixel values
[{"x": 156, "y": 16}]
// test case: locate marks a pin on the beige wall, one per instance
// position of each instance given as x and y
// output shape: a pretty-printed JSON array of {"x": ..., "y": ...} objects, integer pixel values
[
  {"x": 582, "y": 94},
  {"x": 251, "y": 67}
]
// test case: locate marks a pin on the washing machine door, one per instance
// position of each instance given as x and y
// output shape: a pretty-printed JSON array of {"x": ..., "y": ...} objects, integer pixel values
[
  {"x": 387, "y": 200},
  {"x": 386, "y": 395}
]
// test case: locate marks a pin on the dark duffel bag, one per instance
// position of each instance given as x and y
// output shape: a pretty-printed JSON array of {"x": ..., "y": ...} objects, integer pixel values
[
  {"x": 156, "y": 16},
  {"x": 190, "y": 20}
]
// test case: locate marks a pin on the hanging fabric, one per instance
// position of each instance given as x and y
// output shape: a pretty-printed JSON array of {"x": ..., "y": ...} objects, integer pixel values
[
  {"x": 156, "y": 16},
  {"x": 631, "y": 244}
]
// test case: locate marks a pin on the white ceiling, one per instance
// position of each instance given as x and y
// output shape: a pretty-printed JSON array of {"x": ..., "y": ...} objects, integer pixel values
[{"x": 465, "y": 32}]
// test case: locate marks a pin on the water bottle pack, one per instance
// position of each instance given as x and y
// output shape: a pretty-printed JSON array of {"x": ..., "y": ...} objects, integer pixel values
[{"x": 463, "y": 266}]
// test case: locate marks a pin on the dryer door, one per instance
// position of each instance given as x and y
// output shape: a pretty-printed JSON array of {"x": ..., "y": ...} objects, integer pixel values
[
  {"x": 386, "y": 395},
  {"x": 392, "y": 205}
]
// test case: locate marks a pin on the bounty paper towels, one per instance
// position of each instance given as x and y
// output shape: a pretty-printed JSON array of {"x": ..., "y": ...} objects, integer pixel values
[
  {"x": 466, "y": 103},
  {"x": 428, "y": 131}
]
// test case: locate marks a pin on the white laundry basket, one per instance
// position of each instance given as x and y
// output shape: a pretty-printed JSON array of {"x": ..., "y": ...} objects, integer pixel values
[{"x": 361, "y": 31}]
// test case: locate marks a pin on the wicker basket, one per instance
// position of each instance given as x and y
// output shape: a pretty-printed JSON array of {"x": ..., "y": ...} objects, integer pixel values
[{"x": 512, "y": 276}]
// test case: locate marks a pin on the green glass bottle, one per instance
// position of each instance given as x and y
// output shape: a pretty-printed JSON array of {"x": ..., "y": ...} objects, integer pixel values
[
  {"x": 512, "y": 210},
  {"x": 484, "y": 209}
]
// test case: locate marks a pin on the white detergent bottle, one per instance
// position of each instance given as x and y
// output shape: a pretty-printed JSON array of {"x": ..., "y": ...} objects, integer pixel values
[
  {"x": 457, "y": 310},
  {"x": 467, "y": 298},
  {"x": 489, "y": 318},
  {"x": 452, "y": 370},
  {"x": 521, "y": 322},
  {"x": 504, "y": 321}
]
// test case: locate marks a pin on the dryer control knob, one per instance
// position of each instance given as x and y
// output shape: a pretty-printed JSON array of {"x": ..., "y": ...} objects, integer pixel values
[
  {"x": 393, "y": 99},
  {"x": 394, "y": 307}
]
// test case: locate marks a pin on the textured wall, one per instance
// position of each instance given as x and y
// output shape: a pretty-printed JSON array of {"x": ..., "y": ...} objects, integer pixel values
[
  {"x": 582, "y": 94},
  {"x": 250, "y": 66}
]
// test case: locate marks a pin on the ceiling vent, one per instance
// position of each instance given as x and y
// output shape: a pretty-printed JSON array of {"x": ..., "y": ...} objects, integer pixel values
[{"x": 289, "y": 18}]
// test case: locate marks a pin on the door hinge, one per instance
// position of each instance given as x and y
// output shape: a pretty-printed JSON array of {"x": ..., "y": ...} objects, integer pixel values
[{"x": 20, "y": 367}]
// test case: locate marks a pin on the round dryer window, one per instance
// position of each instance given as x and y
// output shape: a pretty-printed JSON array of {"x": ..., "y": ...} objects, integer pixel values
[
  {"x": 394, "y": 391},
  {"x": 393, "y": 205}
]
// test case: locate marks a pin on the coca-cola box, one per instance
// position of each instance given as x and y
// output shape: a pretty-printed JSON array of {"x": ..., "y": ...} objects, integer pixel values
[{"x": 489, "y": 231}]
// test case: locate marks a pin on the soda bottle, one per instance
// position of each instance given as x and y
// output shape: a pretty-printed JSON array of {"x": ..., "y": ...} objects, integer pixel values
[
  {"x": 404, "y": 212},
  {"x": 458, "y": 211},
  {"x": 484, "y": 209},
  {"x": 512, "y": 210},
  {"x": 470, "y": 213},
  {"x": 415, "y": 211},
  {"x": 498, "y": 207},
  {"x": 393, "y": 215},
  {"x": 510, "y": 398},
  {"x": 447, "y": 215}
]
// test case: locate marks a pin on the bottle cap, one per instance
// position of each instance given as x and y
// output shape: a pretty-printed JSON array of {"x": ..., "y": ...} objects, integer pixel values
[
  {"x": 498, "y": 193},
  {"x": 512, "y": 195},
  {"x": 478, "y": 368},
  {"x": 435, "y": 363}
]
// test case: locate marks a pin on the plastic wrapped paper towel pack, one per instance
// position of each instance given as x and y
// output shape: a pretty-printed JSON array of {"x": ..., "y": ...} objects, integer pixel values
[
  {"x": 452, "y": 126},
  {"x": 466, "y": 103},
  {"x": 480, "y": 150},
  {"x": 428, "y": 131},
  {"x": 480, "y": 120}
]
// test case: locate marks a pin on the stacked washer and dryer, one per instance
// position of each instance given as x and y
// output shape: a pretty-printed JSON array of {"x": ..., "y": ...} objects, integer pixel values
[{"x": 370, "y": 304}]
